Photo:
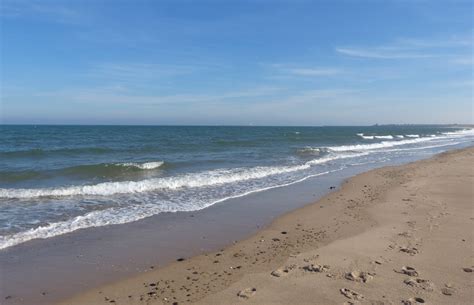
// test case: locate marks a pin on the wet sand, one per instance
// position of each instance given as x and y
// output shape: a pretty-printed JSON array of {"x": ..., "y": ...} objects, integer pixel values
[{"x": 396, "y": 235}]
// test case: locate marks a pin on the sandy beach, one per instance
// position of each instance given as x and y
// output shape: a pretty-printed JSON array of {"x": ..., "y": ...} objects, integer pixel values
[{"x": 395, "y": 235}]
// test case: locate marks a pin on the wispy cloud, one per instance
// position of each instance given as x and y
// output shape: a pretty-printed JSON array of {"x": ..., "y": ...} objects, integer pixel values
[
  {"x": 409, "y": 48},
  {"x": 381, "y": 53},
  {"x": 464, "y": 60},
  {"x": 118, "y": 95},
  {"x": 132, "y": 72},
  {"x": 299, "y": 70},
  {"x": 313, "y": 71},
  {"x": 51, "y": 10}
]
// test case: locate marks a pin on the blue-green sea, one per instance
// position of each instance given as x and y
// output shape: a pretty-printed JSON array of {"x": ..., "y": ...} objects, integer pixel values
[{"x": 58, "y": 179}]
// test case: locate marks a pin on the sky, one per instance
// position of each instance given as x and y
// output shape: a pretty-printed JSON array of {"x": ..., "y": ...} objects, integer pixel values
[{"x": 236, "y": 62}]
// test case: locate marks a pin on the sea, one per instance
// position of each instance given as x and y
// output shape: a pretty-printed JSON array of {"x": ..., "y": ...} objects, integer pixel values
[{"x": 59, "y": 179}]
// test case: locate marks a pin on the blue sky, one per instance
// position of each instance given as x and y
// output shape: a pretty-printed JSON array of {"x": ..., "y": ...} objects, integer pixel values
[{"x": 236, "y": 62}]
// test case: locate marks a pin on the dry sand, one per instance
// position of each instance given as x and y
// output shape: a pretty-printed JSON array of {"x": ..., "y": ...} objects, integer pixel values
[{"x": 396, "y": 235}]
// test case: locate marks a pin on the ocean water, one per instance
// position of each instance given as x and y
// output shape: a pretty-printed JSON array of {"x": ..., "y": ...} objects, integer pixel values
[{"x": 58, "y": 179}]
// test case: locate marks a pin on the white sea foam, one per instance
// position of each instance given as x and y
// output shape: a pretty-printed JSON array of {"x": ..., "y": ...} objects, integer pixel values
[
  {"x": 387, "y": 137},
  {"x": 460, "y": 133},
  {"x": 313, "y": 150},
  {"x": 399, "y": 136},
  {"x": 145, "y": 165},
  {"x": 119, "y": 215},
  {"x": 383, "y": 144},
  {"x": 335, "y": 157},
  {"x": 413, "y": 139},
  {"x": 193, "y": 180},
  {"x": 423, "y": 147},
  {"x": 122, "y": 215},
  {"x": 365, "y": 137}
]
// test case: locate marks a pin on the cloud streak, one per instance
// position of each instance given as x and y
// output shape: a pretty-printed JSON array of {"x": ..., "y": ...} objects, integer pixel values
[
  {"x": 122, "y": 96},
  {"x": 298, "y": 70},
  {"x": 380, "y": 53},
  {"x": 46, "y": 10},
  {"x": 313, "y": 71},
  {"x": 410, "y": 49}
]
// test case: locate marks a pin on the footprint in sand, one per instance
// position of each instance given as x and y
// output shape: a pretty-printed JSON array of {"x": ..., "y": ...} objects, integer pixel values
[
  {"x": 283, "y": 271},
  {"x": 359, "y": 276},
  {"x": 420, "y": 283},
  {"x": 247, "y": 293},
  {"x": 468, "y": 269},
  {"x": 410, "y": 271},
  {"x": 413, "y": 301},
  {"x": 351, "y": 294},
  {"x": 316, "y": 268},
  {"x": 405, "y": 234},
  {"x": 412, "y": 251},
  {"x": 448, "y": 289}
]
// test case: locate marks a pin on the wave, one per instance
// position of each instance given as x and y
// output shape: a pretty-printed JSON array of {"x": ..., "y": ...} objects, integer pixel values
[
  {"x": 111, "y": 169},
  {"x": 413, "y": 139},
  {"x": 103, "y": 170},
  {"x": 423, "y": 147},
  {"x": 192, "y": 180},
  {"x": 387, "y": 137},
  {"x": 460, "y": 133},
  {"x": 399, "y": 136},
  {"x": 383, "y": 144},
  {"x": 129, "y": 214},
  {"x": 336, "y": 157},
  {"x": 365, "y": 137},
  {"x": 314, "y": 151},
  {"x": 209, "y": 178},
  {"x": 119, "y": 215},
  {"x": 145, "y": 165}
]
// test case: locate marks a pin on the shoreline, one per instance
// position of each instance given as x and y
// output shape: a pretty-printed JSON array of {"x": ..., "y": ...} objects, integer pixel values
[{"x": 215, "y": 278}]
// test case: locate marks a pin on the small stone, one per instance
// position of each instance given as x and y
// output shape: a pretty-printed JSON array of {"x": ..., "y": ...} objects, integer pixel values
[{"x": 180, "y": 259}]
